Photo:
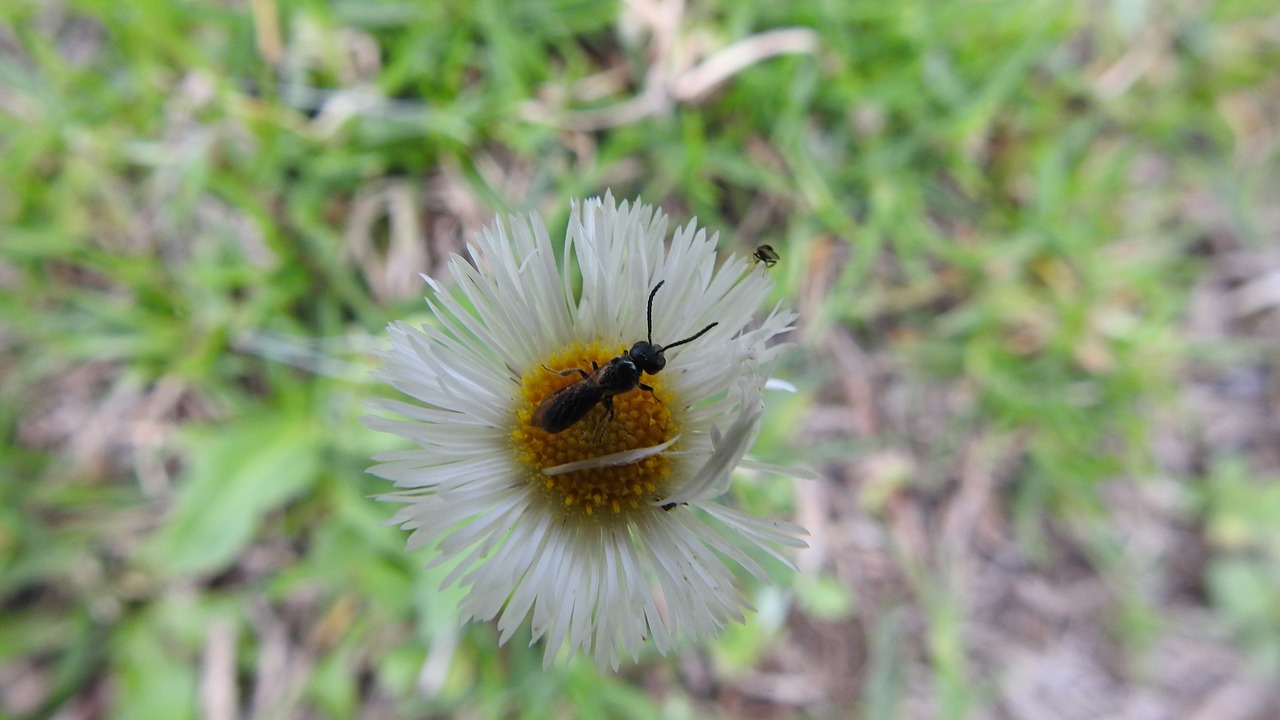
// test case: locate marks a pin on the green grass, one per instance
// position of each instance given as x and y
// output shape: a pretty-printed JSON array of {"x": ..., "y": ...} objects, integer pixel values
[{"x": 984, "y": 199}]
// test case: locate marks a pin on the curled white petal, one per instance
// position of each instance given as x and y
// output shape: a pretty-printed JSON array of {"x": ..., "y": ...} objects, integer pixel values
[
  {"x": 798, "y": 472},
  {"x": 783, "y": 385},
  {"x": 715, "y": 474},
  {"x": 626, "y": 457}
]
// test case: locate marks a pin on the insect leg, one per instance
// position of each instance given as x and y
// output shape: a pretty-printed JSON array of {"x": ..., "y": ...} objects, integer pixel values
[{"x": 570, "y": 371}]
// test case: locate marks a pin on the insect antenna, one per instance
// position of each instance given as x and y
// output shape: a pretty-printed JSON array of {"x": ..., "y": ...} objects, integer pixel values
[
  {"x": 649, "y": 315},
  {"x": 649, "y": 324},
  {"x": 695, "y": 336}
]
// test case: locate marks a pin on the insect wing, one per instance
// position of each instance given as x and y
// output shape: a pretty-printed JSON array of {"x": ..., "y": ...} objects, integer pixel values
[{"x": 566, "y": 406}]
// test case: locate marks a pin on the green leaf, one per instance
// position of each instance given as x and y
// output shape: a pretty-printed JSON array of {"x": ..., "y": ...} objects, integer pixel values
[
  {"x": 152, "y": 683},
  {"x": 237, "y": 476}
]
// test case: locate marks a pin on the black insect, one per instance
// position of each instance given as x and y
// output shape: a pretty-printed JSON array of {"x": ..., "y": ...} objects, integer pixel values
[
  {"x": 571, "y": 403},
  {"x": 767, "y": 255}
]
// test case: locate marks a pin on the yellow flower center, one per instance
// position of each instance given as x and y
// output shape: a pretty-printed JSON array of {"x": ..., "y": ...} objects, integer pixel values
[{"x": 641, "y": 419}]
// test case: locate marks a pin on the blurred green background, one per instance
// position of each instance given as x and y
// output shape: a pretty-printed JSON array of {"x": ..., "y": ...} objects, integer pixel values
[{"x": 1034, "y": 249}]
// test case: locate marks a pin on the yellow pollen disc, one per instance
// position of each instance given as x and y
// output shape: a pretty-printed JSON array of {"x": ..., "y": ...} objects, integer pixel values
[{"x": 641, "y": 419}]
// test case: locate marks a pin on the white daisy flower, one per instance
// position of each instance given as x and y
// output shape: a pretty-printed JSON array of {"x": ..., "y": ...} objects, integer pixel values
[{"x": 596, "y": 515}]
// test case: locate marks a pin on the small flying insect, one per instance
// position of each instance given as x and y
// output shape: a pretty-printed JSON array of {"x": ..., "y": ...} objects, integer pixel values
[
  {"x": 566, "y": 406},
  {"x": 767, "y": 255}
]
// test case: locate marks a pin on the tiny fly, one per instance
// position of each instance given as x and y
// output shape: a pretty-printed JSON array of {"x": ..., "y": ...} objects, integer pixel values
[
  {"x": 767, "y": 255},
  {"x": 571, "y": 403}
]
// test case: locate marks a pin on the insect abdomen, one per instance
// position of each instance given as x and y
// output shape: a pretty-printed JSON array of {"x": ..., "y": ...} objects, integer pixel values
[{"x": 566, "y": 406}]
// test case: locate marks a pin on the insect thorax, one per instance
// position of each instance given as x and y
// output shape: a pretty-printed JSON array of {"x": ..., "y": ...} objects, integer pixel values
[{"x": 619, "y": 376}]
